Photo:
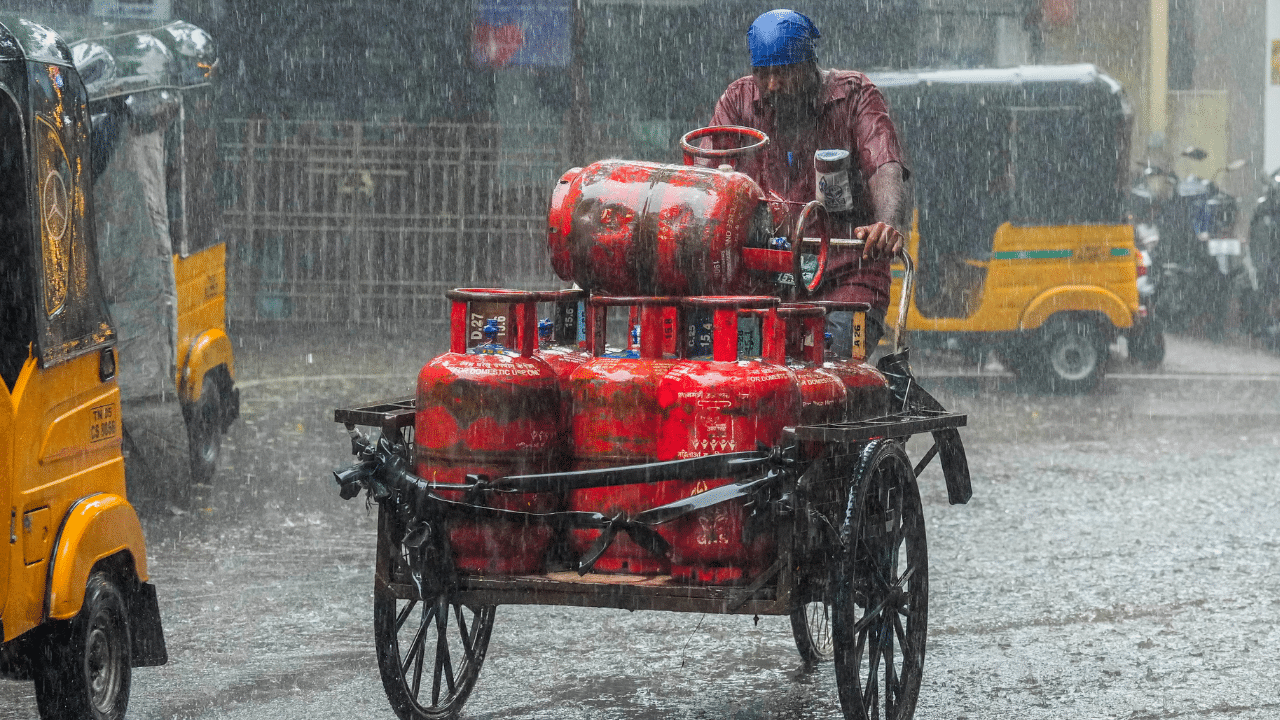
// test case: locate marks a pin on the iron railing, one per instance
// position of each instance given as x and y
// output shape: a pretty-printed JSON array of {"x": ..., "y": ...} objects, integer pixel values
[{"x": 362, "y": 222}]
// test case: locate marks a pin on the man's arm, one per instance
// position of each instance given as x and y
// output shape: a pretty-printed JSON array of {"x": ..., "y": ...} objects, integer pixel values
[{"x": 888, "y": 201}]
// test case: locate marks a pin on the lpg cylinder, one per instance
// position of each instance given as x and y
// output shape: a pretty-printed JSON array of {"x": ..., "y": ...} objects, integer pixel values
[
  {"x": 823, "y": 397},
  {"x": 639, "y": 228},
  {"x": 616, "y": 421},
  {"x": 723, "y": 404},
  {"x": 492, "y": 410},
  {"x": 560, "y": 345},
  {"x": 867, "y": 391}
]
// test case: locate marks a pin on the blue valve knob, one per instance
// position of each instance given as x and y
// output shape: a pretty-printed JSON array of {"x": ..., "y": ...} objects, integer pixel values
[{"x": 490, "y": 346}]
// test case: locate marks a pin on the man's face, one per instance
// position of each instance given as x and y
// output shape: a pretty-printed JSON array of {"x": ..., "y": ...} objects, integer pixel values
[{"x": 787, "y": 87}]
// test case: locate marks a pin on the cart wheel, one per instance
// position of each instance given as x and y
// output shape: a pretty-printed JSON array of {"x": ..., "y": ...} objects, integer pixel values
[
  {"x": 204, "y": 431},
  {"x": 1074, "y": 355},
  {"x": 881, "y": 600},
  {"x": 84, "y": 668},
  {"x": 811, "y": 625},
  {"x": 429, "y": 651}
]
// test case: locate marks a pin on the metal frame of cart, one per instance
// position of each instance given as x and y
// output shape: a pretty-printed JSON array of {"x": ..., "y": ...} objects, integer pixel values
[{"x": 851, "y": 569}]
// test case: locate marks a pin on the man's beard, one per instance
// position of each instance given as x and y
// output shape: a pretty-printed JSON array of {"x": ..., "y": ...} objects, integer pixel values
[{"x": 791, "y": 109}]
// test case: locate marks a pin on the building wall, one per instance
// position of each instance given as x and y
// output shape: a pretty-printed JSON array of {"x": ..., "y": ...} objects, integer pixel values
[
  {"x": 1222, "y": 108},
  {"x": 1231, "y": 58}
]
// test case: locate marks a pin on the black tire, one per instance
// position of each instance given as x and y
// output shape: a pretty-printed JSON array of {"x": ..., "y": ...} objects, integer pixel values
[
  {"x": 204, "y": 431},
  {"x": 85, "y": 667},
  {"x": 404, "y": 627},
  {"x": 811, "y": 625},
  {"x": 1072, "y": 357},
  {"x": 881, "y": 603},
  {"x": 1017, "y": 359},
  {"x": 1146, "y": 346}
]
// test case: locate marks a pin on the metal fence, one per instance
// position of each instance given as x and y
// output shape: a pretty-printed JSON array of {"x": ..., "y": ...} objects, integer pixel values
[{"x": 370, "y": 223}]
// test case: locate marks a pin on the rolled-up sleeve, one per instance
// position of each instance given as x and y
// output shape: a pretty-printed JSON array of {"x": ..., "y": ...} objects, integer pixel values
[{"x": 874, "y": 133}]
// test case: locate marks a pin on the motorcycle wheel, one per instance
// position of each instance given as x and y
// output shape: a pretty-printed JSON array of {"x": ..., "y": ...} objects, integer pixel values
[{"x": 1146, "y": 346}]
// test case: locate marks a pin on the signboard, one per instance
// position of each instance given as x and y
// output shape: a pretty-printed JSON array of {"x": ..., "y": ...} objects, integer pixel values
[
  {"x": 522, "y": 33},
  {"x": 139, "y": 9}
]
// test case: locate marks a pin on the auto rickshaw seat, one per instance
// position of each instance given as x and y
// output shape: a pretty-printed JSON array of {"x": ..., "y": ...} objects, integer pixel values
[{"x": 957, "y": 290}]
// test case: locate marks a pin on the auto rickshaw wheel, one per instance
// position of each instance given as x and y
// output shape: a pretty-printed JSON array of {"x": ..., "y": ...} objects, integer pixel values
[
  {"x": 430, "y": 648},
  {"x": 881, "y": 599},
  {"x": 204, "y": 431},
  {"x": 85, "y": 667},
  {"x": 1073, "y": 355}
]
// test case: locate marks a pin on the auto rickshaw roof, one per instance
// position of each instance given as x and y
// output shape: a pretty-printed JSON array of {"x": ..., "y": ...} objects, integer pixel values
[
  {"x": 176, "y": 56},
  {"x": 1026, "y": 76},
  {"x": 21, "y": 39}
]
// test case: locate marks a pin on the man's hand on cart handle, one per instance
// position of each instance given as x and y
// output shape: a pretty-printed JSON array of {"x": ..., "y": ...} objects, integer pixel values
[
  {"x": 883, "y": 241},
  {"x": 847, "y": 244}
]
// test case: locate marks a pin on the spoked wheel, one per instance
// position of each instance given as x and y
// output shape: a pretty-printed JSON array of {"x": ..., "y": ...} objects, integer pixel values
[
  {"x": 881, "y": 600},
  {"x": 430, "y": 650},
  {"x": 811, "y": 625}
]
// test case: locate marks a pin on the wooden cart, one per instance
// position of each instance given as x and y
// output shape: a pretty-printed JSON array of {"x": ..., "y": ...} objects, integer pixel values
[{"x": 851, "y": 564}]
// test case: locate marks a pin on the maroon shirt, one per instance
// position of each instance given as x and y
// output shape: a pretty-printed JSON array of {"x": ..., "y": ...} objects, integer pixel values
[{"x": 852, "y": 115}]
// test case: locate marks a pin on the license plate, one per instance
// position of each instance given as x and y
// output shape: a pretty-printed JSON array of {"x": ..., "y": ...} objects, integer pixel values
[{"x": 1228, "y": 246}]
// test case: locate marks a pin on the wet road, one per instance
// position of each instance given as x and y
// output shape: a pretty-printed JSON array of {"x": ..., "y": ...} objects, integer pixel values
[{"x": 1118, "y": 560}]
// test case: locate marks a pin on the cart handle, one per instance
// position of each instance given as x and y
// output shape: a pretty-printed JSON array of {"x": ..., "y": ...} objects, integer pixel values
[{"x": 904, "y": 302}]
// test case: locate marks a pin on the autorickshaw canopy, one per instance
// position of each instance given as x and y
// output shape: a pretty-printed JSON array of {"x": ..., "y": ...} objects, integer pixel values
[
  {"x": 1032, "y": 146},
  {"x": 53, "y": 297},
  {"x": 150, "y": 183}
]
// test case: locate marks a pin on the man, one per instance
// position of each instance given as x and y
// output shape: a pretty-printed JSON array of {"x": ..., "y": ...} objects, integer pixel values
[{"x": 803, "y": 109}]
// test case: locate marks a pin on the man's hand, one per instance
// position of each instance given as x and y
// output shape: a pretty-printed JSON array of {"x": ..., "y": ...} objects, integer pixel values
[{"x": 882, "y": 241}]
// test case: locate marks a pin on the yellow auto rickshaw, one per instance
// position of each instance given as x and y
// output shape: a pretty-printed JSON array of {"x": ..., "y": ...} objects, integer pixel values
[
  {"x": 1020, "y": 238},
  {"x": 76, "y": 609},
  {"x": 163, "y": 259}
]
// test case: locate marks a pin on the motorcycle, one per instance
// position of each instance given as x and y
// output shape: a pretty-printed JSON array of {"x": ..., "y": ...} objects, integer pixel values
[
  {"x": 1260, "y": 301},
  {"x": 1187, "y": 228}
]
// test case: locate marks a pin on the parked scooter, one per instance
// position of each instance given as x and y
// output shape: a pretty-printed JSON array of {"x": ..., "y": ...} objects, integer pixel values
[
  {"x": 1260, "y": 300},
  {"x": 1187, "y": 227}
]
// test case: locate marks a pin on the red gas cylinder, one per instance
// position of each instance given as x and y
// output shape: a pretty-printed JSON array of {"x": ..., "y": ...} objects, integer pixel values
[
  {"x": 491, "y": 410},
  {"x": 867, "y": 390},
  {"x": 616, "y": 421},
  {"x": 638, "y": 228},
  {"x": 670, "y": 330},
  {"x": 721, "y": 405},
  {"x": 561, "y": 347},
  {"x": 823, "y": 397}
]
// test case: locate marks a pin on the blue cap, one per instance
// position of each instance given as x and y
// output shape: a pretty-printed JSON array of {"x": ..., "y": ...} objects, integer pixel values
[{"x": 782, "y": 37}]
